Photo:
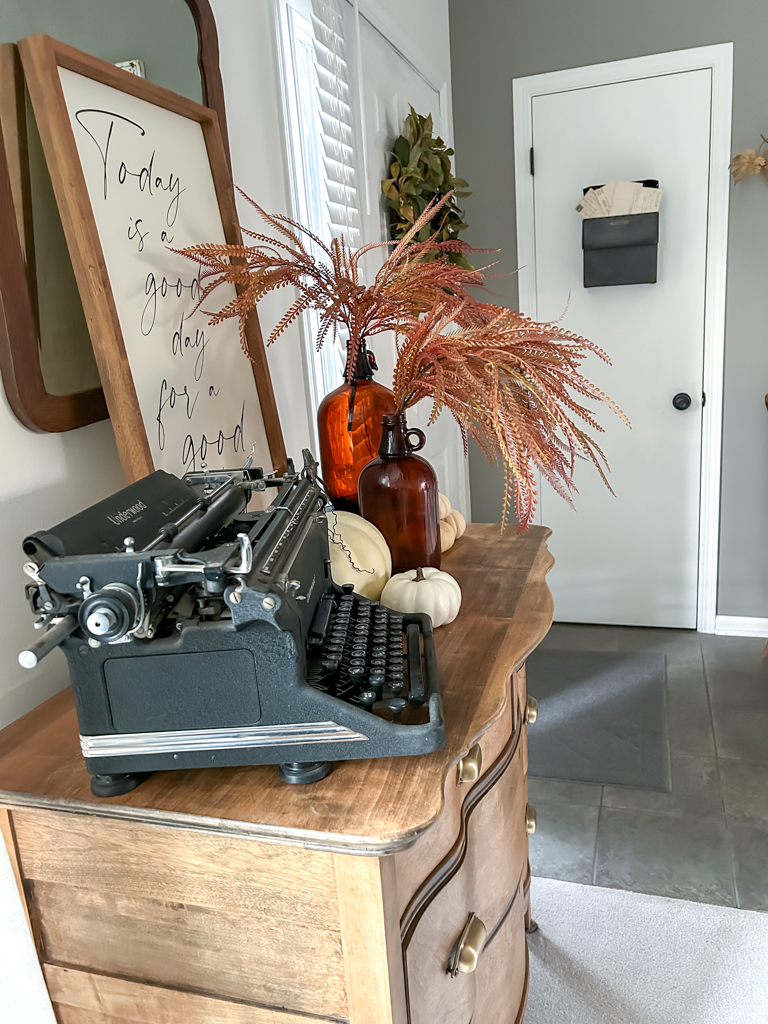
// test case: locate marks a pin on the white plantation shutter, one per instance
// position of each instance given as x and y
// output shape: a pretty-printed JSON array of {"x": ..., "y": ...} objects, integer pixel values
[
  {"x": 322, "y": 115},
  {"x": 336, "y": 119}
]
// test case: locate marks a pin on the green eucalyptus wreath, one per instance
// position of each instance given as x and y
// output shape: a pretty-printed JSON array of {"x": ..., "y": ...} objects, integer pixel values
[{"x": 421, "y": 172}]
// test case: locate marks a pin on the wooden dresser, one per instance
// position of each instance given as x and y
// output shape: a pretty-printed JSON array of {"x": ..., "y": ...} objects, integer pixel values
[{"x": 393, "y": 891}]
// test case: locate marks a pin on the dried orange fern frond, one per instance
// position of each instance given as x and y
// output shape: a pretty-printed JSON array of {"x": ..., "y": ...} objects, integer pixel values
[
  {"x": 512, "y": 384},
  {"x": 327, "y": 278}
]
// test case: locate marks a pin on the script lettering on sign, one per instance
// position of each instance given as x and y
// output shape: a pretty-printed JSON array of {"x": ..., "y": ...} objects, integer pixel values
[{"x": 150, "y": 185}]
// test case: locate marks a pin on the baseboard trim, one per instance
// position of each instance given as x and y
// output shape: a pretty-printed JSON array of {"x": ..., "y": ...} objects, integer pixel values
[{"x": 740, "y": 625}]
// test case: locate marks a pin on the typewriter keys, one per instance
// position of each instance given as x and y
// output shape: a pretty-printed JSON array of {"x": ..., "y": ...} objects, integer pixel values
[{"x": 363, "y": 660}]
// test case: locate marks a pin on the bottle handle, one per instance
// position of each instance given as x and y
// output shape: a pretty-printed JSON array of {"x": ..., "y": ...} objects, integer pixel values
[{"x": 421, "y": 436}]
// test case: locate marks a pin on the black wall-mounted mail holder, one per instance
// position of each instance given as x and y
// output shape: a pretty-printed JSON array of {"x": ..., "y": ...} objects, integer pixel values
[{"x": 621, "y": 250}]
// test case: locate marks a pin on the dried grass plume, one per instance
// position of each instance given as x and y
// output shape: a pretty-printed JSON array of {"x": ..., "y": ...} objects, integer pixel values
[{"x": 512, "y": 384}]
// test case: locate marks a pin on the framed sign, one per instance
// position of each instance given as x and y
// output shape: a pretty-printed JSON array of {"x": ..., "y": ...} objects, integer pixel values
[{"x": 138, "y": 172}]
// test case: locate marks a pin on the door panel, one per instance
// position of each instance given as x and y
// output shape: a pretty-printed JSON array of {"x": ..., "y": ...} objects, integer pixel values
[
  {"x": 633, "y": 558},
  {"x": 391, "y": 83}
]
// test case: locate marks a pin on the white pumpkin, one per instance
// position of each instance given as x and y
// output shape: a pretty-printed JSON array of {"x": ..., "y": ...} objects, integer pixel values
[
  {"x": 457, "y": 521},
  {"x": 445, "y": 505},
  {"x": 359, "y": 554},
  {"x": 447, "y": 534},
  {"x": 426, "y": 590}
]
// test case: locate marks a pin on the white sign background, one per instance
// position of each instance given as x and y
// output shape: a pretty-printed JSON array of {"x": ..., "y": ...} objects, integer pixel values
[{"x": 150, "y": 185}]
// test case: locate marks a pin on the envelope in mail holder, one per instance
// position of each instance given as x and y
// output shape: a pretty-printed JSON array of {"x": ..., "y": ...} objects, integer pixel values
[{"x": 620, "y": 250}]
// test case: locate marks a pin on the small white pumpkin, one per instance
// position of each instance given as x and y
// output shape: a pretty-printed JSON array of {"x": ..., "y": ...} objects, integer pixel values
[
  {"x": 445, "y": 505},
  {"x": 447, "y": 533},
  {"x": 428, "y": 590},
  {"x": 457, "y": 521},
  {"x": 359, "y": 554}
]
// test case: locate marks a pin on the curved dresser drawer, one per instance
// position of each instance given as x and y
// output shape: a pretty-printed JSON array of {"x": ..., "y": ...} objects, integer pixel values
[
  {"x": 502, "y": 971},
  {"x": 467, "y": 917},
  {"x": 423, "y": 860}
]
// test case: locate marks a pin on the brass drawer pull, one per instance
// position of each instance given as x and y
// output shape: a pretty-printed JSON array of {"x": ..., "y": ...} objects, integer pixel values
[
  {"x": 467, "y": 950},
  {"x": 530, "y": 819},
  {"x": 531, "y": 710},
  {"x": 470, "y": 765}
]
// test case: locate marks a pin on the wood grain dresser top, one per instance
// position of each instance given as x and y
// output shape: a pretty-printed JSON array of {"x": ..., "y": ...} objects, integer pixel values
[{"x": 370, "y": 806}]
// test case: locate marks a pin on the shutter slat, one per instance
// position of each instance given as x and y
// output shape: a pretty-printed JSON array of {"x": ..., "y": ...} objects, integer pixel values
[
  {"x": 336, "y": 119},
  {"x": 337, "y": 153},
  {"x": 337, "y": 132},
  {"x": 342, "y": 194}
]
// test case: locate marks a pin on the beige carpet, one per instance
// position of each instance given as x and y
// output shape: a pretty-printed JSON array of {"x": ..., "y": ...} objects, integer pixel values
[{"x": 605, "y": 956}]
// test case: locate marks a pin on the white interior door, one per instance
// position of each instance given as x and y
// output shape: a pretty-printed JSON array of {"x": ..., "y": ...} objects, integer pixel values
[
  {"x": 633, "y": 558},
  {"x": 390, "y": 84}
]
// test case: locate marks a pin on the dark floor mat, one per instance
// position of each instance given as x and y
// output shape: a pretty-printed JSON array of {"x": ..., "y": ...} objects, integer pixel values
[{"x": 602, "y": 718}]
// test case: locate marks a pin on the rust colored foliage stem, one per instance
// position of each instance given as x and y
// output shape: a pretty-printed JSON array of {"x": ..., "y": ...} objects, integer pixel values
[
  {"x": 327, "y": 278},
  {"x": 511, "y": 383}
]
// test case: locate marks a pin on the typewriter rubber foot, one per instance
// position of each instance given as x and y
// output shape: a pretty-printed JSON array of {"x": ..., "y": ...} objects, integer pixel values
[
  {"x": 299, "y": 772},
  {"x": 115, "y": 785}
]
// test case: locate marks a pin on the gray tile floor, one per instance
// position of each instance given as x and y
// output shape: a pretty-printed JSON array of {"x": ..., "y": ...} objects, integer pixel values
[{"x": 707, "y": 840}]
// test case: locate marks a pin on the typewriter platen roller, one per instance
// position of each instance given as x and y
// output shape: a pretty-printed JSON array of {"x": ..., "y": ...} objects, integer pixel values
[{"x": 200, "y": 634}]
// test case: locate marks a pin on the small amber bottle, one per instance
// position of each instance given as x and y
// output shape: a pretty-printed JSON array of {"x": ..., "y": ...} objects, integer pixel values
[
  {"x": 398, "y": 494},
  {"x": 349, "y": 427}
]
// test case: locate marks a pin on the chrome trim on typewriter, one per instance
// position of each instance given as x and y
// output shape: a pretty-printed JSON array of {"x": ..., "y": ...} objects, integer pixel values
[{"x": 123, "y": 744}]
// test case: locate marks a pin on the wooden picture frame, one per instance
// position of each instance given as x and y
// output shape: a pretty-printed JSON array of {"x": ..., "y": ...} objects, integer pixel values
[{"x": 42, "y": 59}]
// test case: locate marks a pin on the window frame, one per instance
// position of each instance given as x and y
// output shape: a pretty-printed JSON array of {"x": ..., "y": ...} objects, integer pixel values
[{"x": 324, "y": 369}]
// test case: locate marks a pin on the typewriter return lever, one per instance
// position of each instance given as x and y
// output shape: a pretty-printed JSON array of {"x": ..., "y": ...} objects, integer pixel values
[{"x": 46, "y": 643}]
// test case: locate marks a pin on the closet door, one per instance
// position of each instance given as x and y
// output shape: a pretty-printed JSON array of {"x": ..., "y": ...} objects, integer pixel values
[{"x": 630, "y": 120}]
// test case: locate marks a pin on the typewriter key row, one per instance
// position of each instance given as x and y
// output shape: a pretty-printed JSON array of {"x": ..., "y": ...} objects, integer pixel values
[{"x": 362, "y": 657}]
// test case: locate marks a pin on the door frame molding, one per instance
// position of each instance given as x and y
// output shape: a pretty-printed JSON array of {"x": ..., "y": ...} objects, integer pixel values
[{"x": 719, "y": 59}]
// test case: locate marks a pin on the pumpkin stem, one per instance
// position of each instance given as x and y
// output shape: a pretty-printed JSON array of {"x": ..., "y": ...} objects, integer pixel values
[{"x": 419, "y": 575}]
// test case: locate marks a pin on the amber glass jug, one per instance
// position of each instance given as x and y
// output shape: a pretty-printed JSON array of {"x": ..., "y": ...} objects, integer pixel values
[
  {"x": 398, "y": 493},
  {"x": 349, "y": 428}
]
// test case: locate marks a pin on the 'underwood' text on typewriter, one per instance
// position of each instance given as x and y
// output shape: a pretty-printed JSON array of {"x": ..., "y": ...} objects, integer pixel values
[{"x": 200, "y": 634}]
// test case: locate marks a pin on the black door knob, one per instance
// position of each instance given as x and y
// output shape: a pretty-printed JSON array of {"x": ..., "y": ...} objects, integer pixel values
[{"x": 681, "y": 401}]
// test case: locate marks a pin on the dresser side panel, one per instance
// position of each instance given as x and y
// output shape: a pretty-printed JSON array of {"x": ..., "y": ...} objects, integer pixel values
[
  {"x": 231, "y": 917},
  {"x": 84, "y": 998}
]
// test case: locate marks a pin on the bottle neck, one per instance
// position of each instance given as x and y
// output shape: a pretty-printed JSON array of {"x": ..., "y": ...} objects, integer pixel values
[
  {"x": 365, "y": 363},
  {"x": 393, "y": 437}
]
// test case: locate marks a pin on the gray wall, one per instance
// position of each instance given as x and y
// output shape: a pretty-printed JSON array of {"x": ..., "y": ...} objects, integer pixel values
[
  {"x": 160, "y": 32},
  {"x": 494, "y": 41}
]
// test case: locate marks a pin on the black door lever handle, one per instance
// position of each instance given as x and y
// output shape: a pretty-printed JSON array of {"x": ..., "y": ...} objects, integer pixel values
[{"x": 681, "y": 401}]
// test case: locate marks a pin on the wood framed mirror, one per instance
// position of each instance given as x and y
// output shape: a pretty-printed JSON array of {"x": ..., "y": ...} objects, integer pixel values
[
  {"x": 46, "y": 359},
  {"x": 139, "y": 173}
]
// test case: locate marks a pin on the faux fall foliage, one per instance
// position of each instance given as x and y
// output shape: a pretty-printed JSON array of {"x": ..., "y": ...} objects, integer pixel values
[
  {"x": 328, "y": 280},
  {"x": 511, "y": 383},
  {"x": 749, "y": 161}
]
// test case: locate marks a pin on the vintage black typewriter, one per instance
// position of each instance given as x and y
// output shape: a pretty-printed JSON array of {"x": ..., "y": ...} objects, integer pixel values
[{"x": 198, "y": 633}]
